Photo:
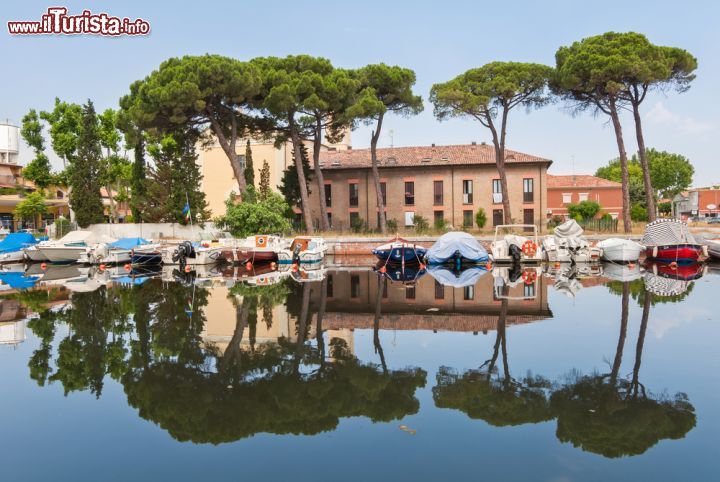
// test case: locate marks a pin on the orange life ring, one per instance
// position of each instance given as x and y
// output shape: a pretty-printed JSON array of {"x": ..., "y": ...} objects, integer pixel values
[
  {"x": 529, "y": 248},
  {"x": 529, "y": 277},
  {"x": 260, "y": 241}
]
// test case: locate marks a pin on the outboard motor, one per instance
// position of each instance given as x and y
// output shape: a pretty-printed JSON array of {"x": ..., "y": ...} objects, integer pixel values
[
  {"x": 515, "y": 253},
  {"x": 296, "y": 253},
  {"x": 182, "y": 252}
]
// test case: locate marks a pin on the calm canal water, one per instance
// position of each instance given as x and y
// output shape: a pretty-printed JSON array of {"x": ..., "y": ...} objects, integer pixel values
[{"x": 487, "y": 376}]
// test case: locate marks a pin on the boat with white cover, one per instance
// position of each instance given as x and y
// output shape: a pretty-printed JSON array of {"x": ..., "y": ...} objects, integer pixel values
[
  {"x": 619, "y": 250},
  {"x": 117, "y": 252},
  {"x": 568, "y": 245},
  {"x": 70, "y": 252},
  {"x": 34, "y": 253}
]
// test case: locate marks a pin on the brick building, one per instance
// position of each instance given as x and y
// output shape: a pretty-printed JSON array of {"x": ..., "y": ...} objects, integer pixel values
[
  {"x": 446, "y": 183},
  {"x": 697, "y": 203},
  {"x": 572, "y": 189}
]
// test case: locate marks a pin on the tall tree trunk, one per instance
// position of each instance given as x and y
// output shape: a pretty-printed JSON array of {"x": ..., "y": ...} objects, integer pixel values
[
  {"x": 635, "y": 384},
  {"x": 642, "y": 153},
  {"x": 376, "y": 174},
  {"x": 627, "y": 223},
  {"x": 319, "y": 178},
  {"x": 111, "y": 201},
  {"x": 499, "y": 144},
  {"x": 304, "y": 199},
  {"x": 302, "y": 325},
  {"x": 318, "y": 325},
  {"x": 623, "y": 332},
  {"x": 231, "y": 356},
  {"x": 502, "y": 325},
  {"x": 376, "y": 323},
  {"x": 229, "y": 147}
]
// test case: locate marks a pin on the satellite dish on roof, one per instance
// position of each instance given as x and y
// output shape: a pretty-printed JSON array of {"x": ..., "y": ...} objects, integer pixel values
[{"x": 711, "y": 206}]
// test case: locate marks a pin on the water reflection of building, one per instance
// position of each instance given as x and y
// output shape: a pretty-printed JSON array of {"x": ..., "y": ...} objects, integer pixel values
[
  {"x": 12, "y": 322},
  {"x": 352, "y": 298},
  {"x": 221, "y": 323}
]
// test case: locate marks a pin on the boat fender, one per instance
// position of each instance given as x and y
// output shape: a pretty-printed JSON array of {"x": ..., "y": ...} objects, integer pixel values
[
  {"x": 705, "y": 251},
  {"x": 655, "y": 251},
  {"x": 655, "y": 269}
]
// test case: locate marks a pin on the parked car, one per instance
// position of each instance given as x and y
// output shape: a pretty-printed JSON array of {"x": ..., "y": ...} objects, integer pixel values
[{"x": 713, "y": 221}]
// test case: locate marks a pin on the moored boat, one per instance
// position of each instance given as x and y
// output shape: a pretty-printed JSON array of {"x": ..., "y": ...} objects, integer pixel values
[
  {"x": 258, "y": 249},
  {"x": 620, "y": 250},
  {"x": 399, "y": 250},
  {"x": 13, "y": 246},
  {"x": 511, "y": 247},
  {"x": 117, "y": 252},
  {"x": 457, "y": 248},
  {"x": 568, "y": 245},
  {"x": 670, "y": 241},
  {"x": 714, "y": 248},
  {"x": 187, "y": 253},
  {"x": 303, "y": 250}
]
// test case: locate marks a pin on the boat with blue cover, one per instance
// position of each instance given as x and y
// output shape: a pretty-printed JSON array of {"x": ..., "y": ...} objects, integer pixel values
[
  {"x": 12, "y": 247},
  {"x": 116, "y": 252},
  {"x": 457, "y": 248},
  {"x": 400, "y": 250}
]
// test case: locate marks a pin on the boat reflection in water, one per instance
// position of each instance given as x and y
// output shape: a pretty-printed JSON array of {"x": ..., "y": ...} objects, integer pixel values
[{"x": 213, "y": 357}]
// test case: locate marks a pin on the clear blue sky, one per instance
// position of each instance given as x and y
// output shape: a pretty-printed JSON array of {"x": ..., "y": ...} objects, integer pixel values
[{"x": 438, "y": 39}]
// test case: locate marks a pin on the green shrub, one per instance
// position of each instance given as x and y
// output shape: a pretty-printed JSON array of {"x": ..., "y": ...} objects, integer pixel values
[
  {"x": 606, "y": 217},
  {"x": 555, "y": 221},
  {"x": 480, "y": 218},
  {"x": 357, "y": 225},
  {"x": 392, "y": 224},
  {"x": 583, "y": 210},
  {"x": 255, "y": 216},
  {"x": 638, "y": 213},
  {"x": 421, "y": 224},
  {"x": 440, "y": 224}
]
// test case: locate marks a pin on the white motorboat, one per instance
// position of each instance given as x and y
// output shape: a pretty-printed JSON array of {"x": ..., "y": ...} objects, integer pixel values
[
  {"x": 303, "y": 250},
  {"x": 622, "y": 272},
  {"x": 511, "y": 247},
  {"x": 620, "y": 250},
  {"x": 568, "y": 245},
  {"x": 69, "y": 248},
  {"x": 191, "y": 254},
  {"x": 117, "y": 252},
  {"x": 713, "y": 248}
]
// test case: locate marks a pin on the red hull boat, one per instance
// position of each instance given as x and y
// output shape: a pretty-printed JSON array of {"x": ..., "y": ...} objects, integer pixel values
[
  {"x": 679, "y": 253},
  {"x": 242, "y": 256}
]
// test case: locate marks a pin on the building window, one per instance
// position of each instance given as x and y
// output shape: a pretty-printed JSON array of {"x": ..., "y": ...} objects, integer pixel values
[
  {"x": 409, "y": 193},
  {"x": 329, "y": 286},
  {"x": 528, "y": 190},
  {"x": 439, "y": 218},
  {"x": 497, "y": 196},
  {"x": 409, "y": 215},
  {"x": 529, "y": 290},
  {"x": 439, "y": 291},
  {"x": 328, "y": 195},
  {"x": 528, "y": 218},
  {"x": 59, "y": 195},
  {"x": 354, "y": 286},
  {"x": 468, "y": 219},
  {"x": 354, "y": 194},
  {"x": 498, "y": 217},
  {"x": 567, "y": 197},
  {"x": 329, "y": 215},
  {"x": 383, "y": 191},
  {"x": 467, "y": 185},
  {"x": 437, "y": 193},
  {"x": 241, "y": 159},
  {"x": 468, "y": 292},
  {"x": 354, "y": 220},
  {"x": 410, "y": 292},
  {"x": 583, "y": 196}
]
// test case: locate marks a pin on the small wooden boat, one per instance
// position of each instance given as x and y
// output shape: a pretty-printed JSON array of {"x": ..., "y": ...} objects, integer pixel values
[
  {"x": 620, "y": 250},
  {"x": 399, "y": 250},
  {"x": 259, "y": 249},
  {"x": 303, "y": 250},
  {"x": 670, "y": 241}
]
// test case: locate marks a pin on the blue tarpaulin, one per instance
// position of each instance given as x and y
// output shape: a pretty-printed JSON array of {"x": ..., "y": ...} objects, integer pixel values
[
  {"x": 128, "y": 243},
  {"x": 17, "y": 280},
  {"x": 448, "y": 244},
  {"x": 16, "y": 241}
]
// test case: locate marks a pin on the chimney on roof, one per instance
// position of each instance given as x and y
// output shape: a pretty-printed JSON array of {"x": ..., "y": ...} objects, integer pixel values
[
  {"x": 473, "y": 143},
  {"x": 349, "y": 148},
  {"x": 331, "y": 149},
  {"x": 432, "y": 145},
  {"x": 484, "y": 143}
]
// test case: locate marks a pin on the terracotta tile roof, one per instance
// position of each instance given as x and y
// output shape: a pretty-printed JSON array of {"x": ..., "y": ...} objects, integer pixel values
[
  {"x": 461, "y": 154},
  {"x": 579, "y": 180}
]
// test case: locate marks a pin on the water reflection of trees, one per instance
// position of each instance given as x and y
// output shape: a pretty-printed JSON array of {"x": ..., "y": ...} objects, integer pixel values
[
  {"x": 600, "y": 413},
  {"x": 149, "y": 339}
]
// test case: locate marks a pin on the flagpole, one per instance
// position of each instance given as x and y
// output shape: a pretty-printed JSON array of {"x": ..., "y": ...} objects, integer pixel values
[{"x": 187, "y": 201}]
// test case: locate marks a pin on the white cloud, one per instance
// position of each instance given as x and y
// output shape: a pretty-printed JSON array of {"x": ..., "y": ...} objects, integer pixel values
[{"x": 660, "y": 115}]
